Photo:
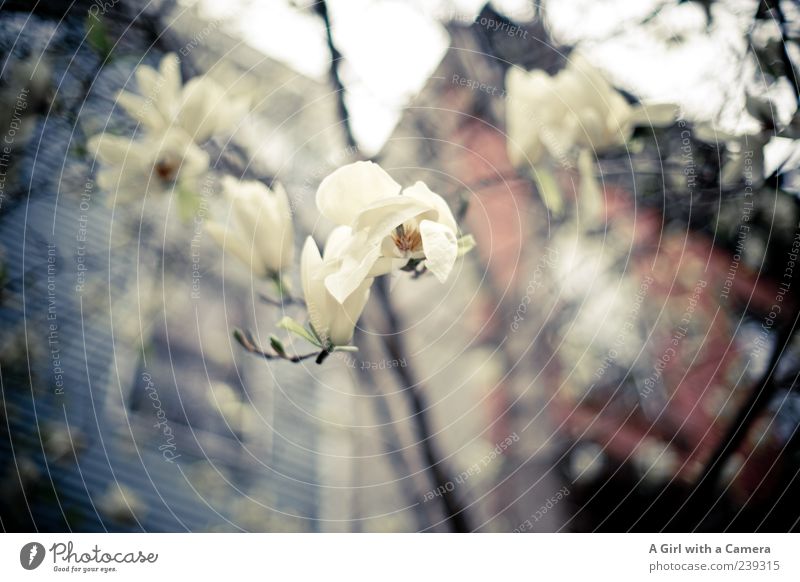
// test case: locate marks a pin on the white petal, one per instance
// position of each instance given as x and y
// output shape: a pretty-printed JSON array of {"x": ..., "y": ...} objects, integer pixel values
[
  {"x": 194, "y": 160},
  {"x": 348, "y": 190},
  {"x": 313, "y": 287},
  {"x": 262, "y": 221},
  {"x": 385, "y": 265},
  {"x": 142, "y": 110},
  {"x": 346, "y": 315},
  {"x": 110, "y": 149},
  {"x": 149, "y": 82},
  {"x": 441, "y": 248},
  {"x": 337, "y": 242},
  {"x": 526, "y": 92},
  {"x": 356, "y": 264},
  {"x": 443, "y": 214},
  {"x": 284, "y": 216},
  {"x": 200, "y": 107},
  {"x": 230, "y": 242},
  {"x": 170, "y": 72},
  {"x": 595, "y": 86},
  {"x": 654, "y": 114},
  {"x": 380, "y": 218},
  {"x": 120, "y": 183}
]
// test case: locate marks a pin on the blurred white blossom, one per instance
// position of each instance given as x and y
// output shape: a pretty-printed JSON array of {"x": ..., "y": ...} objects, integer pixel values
[
  {"x": 389, "y": 227},
  {"x": 202, "y": 107},
  {"x": 259, "y": 231},
  {"x": 333, "y": 320},
  {"x": 576, "y": 108},
  {"x": 153, "y": 165}
]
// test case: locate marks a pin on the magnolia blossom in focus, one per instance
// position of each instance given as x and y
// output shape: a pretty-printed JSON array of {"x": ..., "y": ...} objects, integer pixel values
[
  {"x": 154, "y": 165},
  {"x": 388, "y": 227},
  {"x": 259, "y": 231},
  {"x": 333, "y": 321},
  {"x": 576, "y": 108},
  {"x": 201, "y": 108}
]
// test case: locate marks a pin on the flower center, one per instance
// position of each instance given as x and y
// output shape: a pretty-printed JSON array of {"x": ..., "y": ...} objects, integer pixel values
[
  {"x": 407, "y": 239},
  {"x": 167, "y": 167}
]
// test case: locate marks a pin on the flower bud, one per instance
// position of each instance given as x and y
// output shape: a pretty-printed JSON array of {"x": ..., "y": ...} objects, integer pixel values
[
  {"x": 259, "y": 229},
  {"x": 332, "y": 320}
]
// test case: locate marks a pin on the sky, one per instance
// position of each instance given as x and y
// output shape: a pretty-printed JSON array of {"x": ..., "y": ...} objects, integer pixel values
[{"x": 391, "y": 48}]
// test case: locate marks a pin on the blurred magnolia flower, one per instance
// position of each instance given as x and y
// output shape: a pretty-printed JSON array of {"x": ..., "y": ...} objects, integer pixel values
[
  {"x": 333, "y": 321},
  {"x": 201, "y": 108},
  {"x": 576, "y": 108},
  {"x": 154, "y": 165},
  {"x": 389, "y": 228},
  {"x": 260, "y": 231}
]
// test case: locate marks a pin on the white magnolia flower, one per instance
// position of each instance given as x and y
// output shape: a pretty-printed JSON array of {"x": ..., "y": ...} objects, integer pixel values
[
  {"x": 388, "y": 227},
  {"x": 201, "y": 108},
  {"x": 153, "y": 165},
  {"x": 576, "y": 108},
  {"x": 333, "y": 320},
  {"x": 260, "y": 231}
]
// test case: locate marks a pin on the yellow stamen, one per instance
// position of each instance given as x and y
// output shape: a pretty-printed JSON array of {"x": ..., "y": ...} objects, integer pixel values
[{"x": 407, "y": 240}]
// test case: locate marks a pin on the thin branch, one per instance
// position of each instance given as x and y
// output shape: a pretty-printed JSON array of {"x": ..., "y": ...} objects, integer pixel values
[
  {"x": 286, "y": 300},
  {"x": 321, "y": 8},
  {"x": 248, "y": 343},
  {"x": 455, "y": 514}
]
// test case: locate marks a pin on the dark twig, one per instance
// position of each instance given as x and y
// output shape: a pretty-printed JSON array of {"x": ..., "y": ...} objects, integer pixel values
[
  {"x": 321, "y": 8},
  {"x": 286, "y": 300},
  {"x": 456, "y": 515},
  {"x": 248, "y": 343}
]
